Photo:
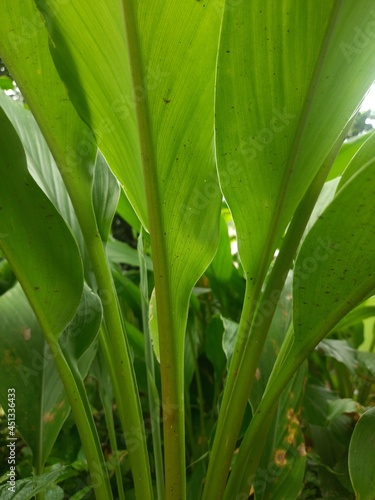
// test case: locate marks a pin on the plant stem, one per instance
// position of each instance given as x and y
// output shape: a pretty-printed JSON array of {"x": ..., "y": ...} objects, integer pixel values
[
  {"x": 123, "y": 377},
  {"x": 171, "y": 326},
  {"x": 250, "y": 345},
  {"x": 198, "y": 380},
  {"x": 106, "y": 397},
  {"x": 153, "y": 396},
  {"x": 80, "y": 406}
]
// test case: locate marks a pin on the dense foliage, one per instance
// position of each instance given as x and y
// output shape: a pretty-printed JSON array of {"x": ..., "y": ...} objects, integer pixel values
[{"x": 186, "y": 278}]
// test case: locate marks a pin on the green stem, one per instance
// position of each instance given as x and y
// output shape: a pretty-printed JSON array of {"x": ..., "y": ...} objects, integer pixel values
[
  {"x": 169, "y": 322},
  {"x": 229, "y": 421},
  {"x": 240, "y": 481},
  {"x": 345, "y": 388},
  {"x": 108, "y": 412},
  {"x": 80, "y": 406},
  {"x": 114, "y": 338},
  {"x": 123, "y": 377},
  {"x": 249, "y": 346},
  {"x": 153, "y": 396},
  {"x": 200, "y": 395},
  {"x": 290, "y": 357}
]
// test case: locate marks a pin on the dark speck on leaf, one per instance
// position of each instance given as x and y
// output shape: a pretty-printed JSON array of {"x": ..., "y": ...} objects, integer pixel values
[{"x": 167, "y": 101}]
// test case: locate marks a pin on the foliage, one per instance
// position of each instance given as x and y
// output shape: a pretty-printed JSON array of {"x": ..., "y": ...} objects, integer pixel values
[{"x": 187, "y": 250}]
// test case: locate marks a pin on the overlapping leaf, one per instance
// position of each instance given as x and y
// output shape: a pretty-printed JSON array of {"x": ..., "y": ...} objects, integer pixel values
[
  {"x": 284, "y": 70},
  {"x": 24, "y": 48},
  {"x": 27, "y": 365},
  {"x": 336, "y": 261},
  {"x": 35, "y": 239},
  {"x": 362, "y": 456}
]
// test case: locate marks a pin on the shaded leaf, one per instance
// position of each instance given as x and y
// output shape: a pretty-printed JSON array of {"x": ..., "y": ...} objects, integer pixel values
[
  {"x": 275, "y": 132},
  {"x": 27, "y": 365},
  {"x": 153, "y": 325},
  {"x": 26, "y": 489},
  {"x": 362, "y": 456},
  {"x": 338, "y": 247},
  {"x": 339, "y": 350},
  {"x": 44, "y": 255},
  {"x": 105, "y": 195}
]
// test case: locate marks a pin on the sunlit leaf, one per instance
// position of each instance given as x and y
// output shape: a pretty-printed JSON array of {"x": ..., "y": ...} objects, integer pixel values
[
  {"x": 347, "y": 151},
  {"x": 274, "y": 132},
  {"x": 24, "y": 48}
]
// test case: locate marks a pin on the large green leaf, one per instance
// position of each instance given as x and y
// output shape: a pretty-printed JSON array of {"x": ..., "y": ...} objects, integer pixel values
[
  {"x": 25, "y": 489},
  {"x": 362, "y": 457},
  {"x": 24, "y": 48},
  {"x": 333, "y": 274},
  {"x": 83, "y": 38},
  {"x": 335, "y": 264},
  {"x": 27, "y": 365},
  {"x": 173, "y": 137},
  {"x": 275, "y": 131},
  {"x": 37, "y": 243},
  {"x": 41, "y": 164}
]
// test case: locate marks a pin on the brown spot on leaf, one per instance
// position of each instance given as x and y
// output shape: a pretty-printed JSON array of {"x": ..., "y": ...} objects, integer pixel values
[
  {"x": 302, "y": 450},
  {"x": 26, "y": 332},
  {"x": 49, "y": 417},
  {"x": 280, "y": 459}
]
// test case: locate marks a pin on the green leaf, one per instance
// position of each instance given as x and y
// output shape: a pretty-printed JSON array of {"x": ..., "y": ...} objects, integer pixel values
[
  {"x": 222, "y": 265},
  {"x": 284, "y": 455},
  {"x": 6, "y": 83},
  {"x": 122, "y": 253},
  {"x": 172, "y": 137},
  {"x": 340, "y": 406},
  {"x": 274, "y": 132},
  {"x": 281, "y": 470},
  {"x": 26, "y": 364},
  {"x": 126, "y": 211},
  {"x": 103, "y": 99},
  {"x": 339, "y": 350},
  {"x": 363, "y": 156},
  {"x": 41, "y": 164},
  {"x": 229, "y": 338},
  {"x": 106, "y": 194},
  {"x": 213, "y": 346},
  {"x": 334, "y": 269},
  {"x": 44, "y": 255},
  {"x": 362, "y": 456},
  {"x": 25, "y": 50},
  {"x": 347, "y": 152},
  {"x": 25, "y": 489},
  {"x": 153, "y": 325},
  {"x": 83, "y": 330}
]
